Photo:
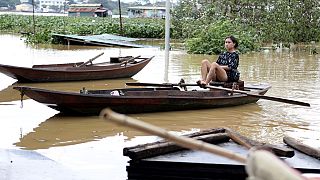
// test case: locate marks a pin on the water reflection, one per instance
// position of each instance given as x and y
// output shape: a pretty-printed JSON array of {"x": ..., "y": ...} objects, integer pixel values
[
  {"x": 62, "y": 130},
  {"x": 9, "y": 94}
]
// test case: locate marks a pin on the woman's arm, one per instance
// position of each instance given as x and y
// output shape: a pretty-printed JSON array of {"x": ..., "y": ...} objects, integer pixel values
[{"x": 227, "y": 68}]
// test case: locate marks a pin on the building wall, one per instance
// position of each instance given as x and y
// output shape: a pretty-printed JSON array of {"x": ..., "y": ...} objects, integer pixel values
[
  {"x": 43, "y": 3},
  {"x": 147, "y": 13},
  {"x": 24, "y": 7},
  {"x": 79, "y": 14},
  {"x": 73, "y": 14},
  {"x": 86, "y": 14}
]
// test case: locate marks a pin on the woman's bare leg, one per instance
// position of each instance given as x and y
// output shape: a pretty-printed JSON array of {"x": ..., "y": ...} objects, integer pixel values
[
  {"x": 221, "y": 74},
  {"x": 205, "y": 68},
  {"x": 216, "y": 72}
]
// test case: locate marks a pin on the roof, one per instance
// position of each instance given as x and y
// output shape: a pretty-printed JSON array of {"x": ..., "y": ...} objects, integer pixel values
[
  {"x": 87, "y": 8},
  {"x": 104, "y": 39},
  {"x": 82, "y": 9},
  {"x": 147, "y": 8}
]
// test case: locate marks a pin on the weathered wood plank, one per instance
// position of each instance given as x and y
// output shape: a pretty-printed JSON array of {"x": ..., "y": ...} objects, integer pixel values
[
  {"x": 242, "y": 140},
  {"x": 203, "y": 132},
  {"x": 295, "y": 143},
  {"x": 161, "y": 148},
  {"x": 216, "y": 135}
]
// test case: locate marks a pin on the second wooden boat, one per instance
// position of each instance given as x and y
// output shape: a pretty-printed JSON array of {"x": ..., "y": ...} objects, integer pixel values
[
  {"x": 140, "y": 100},
  {"x": 123, "y": 68}
]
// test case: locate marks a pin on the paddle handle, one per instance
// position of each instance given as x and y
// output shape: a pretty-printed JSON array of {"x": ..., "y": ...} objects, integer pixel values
[
  {"x": 159, "y": 85},
  {"x": 90, "y": 60},
  {"x": 189, "y": 143},
  {"x": 289, "y": 101}
]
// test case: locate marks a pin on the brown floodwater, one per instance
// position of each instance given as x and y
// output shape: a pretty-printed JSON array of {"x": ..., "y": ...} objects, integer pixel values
[{"x": 95, "y": 146}]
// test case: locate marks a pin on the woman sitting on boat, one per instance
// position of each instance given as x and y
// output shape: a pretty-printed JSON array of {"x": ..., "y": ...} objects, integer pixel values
[{"x": 225, "y": 68}]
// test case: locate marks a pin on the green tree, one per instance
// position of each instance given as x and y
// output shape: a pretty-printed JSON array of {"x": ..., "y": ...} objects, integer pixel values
[{"x": 273, "y": 20}]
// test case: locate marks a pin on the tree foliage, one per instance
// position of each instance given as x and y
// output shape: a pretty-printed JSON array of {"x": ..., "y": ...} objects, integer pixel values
[
  {"x": 269, "y": 20},
  {"x": 211, "y": 40}
]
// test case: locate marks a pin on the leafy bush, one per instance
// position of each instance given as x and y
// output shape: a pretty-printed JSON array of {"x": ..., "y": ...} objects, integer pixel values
[{"x": 211, "y": 39}]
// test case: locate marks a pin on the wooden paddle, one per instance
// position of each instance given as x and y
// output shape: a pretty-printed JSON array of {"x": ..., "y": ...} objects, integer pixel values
[
  {"x": 261, "y": 96},
  {"x": 90, "y": 60},
  {"x": 159, "y": 85},
  {"x": 189, "y": 143},
  {"x": 224, "y": 89}
]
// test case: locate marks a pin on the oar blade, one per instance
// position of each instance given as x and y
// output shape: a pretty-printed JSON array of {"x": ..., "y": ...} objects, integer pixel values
[{"x": 289, "y": 101}]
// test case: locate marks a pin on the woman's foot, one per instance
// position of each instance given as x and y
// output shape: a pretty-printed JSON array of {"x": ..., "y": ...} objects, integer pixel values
[{"x": 201, "y": 83}]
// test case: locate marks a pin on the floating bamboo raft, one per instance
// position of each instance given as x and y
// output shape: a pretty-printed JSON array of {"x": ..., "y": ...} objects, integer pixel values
[
  {"x": 165, "y": 160},
  {"x": 99, "y": 40}
]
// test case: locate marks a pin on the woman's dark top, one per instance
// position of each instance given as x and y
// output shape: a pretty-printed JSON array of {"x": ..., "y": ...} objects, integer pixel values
[{"x": 232, "y": 61}]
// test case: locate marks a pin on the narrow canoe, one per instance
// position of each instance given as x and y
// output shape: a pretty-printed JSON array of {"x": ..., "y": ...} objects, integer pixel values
[
  {"x": 75, "y": 72},
  {"x": 139, "y": 100}
]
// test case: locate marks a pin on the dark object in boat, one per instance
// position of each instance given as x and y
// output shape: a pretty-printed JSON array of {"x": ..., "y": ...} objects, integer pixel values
[
  {"x": 138, "y": 100},
  {"x": 128, "y": 67}
]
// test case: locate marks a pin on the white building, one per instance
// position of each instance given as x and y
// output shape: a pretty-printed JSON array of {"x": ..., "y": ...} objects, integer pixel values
[
  {"x": 45, "y": 4},
  {"x": 24, "y": 7}
]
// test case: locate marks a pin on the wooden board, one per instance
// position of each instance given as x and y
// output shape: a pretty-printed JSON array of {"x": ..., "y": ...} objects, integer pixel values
[{"x": 301, "y": 144}]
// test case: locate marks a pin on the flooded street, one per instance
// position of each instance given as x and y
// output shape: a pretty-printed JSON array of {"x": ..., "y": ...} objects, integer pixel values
[{"x": 94, "y": 147}]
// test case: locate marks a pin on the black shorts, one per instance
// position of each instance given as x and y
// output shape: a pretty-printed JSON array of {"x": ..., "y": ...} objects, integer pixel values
[{"x": 233, "y": 75}]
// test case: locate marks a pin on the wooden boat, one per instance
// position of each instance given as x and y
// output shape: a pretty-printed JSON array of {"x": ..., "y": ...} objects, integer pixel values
[
  {"x": 166, "y": 160},
  {"x": 124, "y": 67},
  {"x": 140, "y": 100}
]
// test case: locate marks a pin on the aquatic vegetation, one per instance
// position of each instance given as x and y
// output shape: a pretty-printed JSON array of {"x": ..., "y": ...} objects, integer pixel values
[{"x": 40, "y": 30}]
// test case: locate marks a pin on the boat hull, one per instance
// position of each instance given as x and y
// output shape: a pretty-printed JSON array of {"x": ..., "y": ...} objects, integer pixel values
[
  {"x": 67, "y": 72},
  {"x": 136, "y": 101}
]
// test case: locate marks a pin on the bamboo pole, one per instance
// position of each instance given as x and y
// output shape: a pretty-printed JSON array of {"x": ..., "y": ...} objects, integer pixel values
[
  {"x": 189, "y": 143},
  {"x": 120, "y": 18},
  {"x": 167, "y": 40},
  {"x": 34, "y": 25}
]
